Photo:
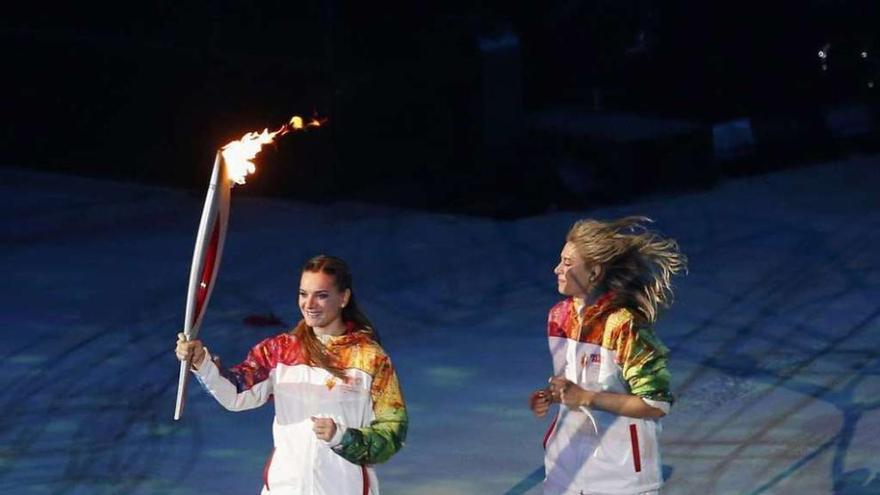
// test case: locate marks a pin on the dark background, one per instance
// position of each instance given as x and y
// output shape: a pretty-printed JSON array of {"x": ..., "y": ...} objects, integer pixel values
[{"x": 484, "y": 107}]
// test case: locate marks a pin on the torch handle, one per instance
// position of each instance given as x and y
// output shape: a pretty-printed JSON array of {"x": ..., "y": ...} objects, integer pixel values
[{"x": 181, "y": 389}]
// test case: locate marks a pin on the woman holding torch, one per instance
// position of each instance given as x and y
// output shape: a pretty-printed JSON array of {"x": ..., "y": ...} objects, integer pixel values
[
  {"x": 609, "y": 368},
  {"x": 338, "y": 405}
]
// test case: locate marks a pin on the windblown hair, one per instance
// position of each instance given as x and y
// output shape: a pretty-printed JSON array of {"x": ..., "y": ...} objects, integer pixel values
[
  {"x": 638, "y": 263},
  {"x": 315, "y": 351}
]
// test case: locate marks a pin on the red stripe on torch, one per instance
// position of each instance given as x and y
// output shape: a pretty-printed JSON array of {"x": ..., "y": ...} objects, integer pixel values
[{"x": 207, "y": 271}]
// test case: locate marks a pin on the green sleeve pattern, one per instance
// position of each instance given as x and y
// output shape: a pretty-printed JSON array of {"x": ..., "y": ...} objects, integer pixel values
[
  {"x": 645, "y": 366},
  {"x": 377, "y": 442},
  {"x": 386, "y": 434}
]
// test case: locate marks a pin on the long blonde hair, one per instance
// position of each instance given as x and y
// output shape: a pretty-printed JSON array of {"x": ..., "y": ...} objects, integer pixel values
[{"x": 638, "y": 263}]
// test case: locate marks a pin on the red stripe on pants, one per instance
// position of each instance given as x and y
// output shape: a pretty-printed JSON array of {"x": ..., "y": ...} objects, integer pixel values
[
  {"x": 366, "y": 480},
  {"x": 549, "y": 432},
  {"x": 634, "y": 437},
  {"x": 266, "y": 468}
]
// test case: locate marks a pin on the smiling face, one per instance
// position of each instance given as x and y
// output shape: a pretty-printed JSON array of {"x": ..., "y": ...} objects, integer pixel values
[
  {"x": 321, "y": 302},
  {"x": 573, "y": 276}
]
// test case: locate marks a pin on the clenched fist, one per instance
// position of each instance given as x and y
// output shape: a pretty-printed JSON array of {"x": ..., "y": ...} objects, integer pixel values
[
  {"x": 539, "y": 402},
  {"x": 324, "y": 428}
]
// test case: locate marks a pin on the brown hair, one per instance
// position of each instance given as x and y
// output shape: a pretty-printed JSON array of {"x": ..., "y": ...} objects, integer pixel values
[
  {"x": 315, "y": 352},
  {"x": 638, "y": 263}
]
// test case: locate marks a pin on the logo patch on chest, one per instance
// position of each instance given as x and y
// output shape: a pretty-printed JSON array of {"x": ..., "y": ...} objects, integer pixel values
[
  {"x": 591, "y": 359},
  {"x": 347, "y": 385}
]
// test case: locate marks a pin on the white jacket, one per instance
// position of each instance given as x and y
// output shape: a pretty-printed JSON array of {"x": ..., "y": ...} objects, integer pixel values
[
  {"x": 605, "y": 454},
  {"x": 367, "y": 407}
]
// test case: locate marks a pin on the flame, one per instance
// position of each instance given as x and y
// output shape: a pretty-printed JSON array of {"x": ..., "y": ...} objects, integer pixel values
[{"x": 239, "y": 154}]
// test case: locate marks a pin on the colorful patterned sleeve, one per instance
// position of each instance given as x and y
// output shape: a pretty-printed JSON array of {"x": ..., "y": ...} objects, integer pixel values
[
  {"x": 254, "y": 369},
  {"x": 244, "y": 386},
  {"x": 643, "y": 359},
  {"x": 387, "y": 432}
]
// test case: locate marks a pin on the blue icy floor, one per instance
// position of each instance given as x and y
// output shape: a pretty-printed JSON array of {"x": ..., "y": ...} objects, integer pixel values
[{"x": 775, "y": 335}]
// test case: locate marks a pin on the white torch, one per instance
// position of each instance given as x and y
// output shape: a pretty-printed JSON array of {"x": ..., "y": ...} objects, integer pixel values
[{"x": 206, "y": 260}]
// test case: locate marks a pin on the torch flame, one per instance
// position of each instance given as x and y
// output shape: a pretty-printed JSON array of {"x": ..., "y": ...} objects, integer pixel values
[{"x": 239, "y": 154}]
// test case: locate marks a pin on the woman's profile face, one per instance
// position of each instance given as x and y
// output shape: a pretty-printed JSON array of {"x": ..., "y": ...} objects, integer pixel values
[
  {"x": 320, "y": 301},
  {"x": 572, "y": 273}
]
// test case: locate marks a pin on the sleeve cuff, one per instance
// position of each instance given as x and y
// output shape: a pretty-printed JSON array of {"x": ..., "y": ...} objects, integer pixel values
[
  {"x": 658, "y": 404},
  {"x": 207, "y": 366},
  {"x": 340, "y": 432}
]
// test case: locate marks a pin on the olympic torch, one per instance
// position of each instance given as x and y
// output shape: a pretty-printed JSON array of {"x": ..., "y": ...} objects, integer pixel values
[
  {"x": 231, "y": 165},
  {"x": 206, "y": 260}
]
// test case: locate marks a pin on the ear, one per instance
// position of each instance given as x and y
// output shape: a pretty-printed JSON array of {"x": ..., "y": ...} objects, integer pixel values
[
  {"x": 596, "y": 273},
  {"x": 346, "y": 296}
]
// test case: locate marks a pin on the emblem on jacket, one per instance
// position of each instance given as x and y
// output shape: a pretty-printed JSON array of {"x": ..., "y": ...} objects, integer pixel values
[
  {"x": 591, "y": 359},
  {"x": 348, "y": 384}
]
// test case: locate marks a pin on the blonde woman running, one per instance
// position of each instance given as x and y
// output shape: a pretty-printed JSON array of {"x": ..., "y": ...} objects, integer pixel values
[{"x": 610, "y": 370}]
